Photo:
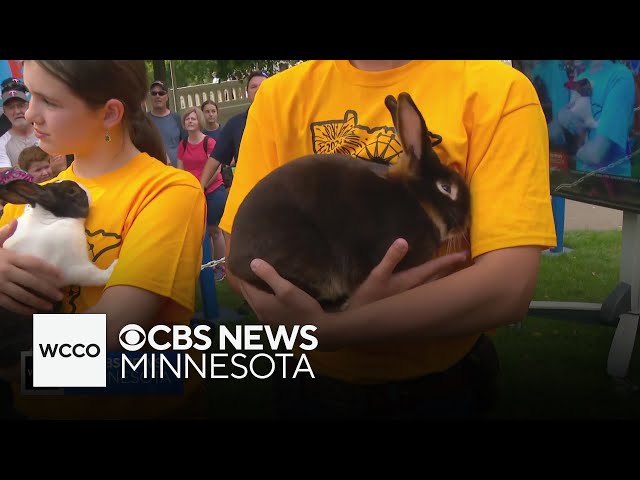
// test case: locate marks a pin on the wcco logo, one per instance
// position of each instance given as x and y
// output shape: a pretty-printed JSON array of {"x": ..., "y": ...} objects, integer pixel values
[
  {"x": 69, "y": 350},
  {"x": 66, "y": 350}
]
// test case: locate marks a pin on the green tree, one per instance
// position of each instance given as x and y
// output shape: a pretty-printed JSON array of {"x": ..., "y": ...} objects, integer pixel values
[{"x": 159, "y": 70}]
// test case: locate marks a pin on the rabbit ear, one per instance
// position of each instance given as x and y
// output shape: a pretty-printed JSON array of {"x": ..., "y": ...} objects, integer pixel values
[
  {"x": 392, "y": 105},
  {"x": 413, "y": 135},
  {"x": 20, "y": 192},
  {"x": 411, "y": 127}
]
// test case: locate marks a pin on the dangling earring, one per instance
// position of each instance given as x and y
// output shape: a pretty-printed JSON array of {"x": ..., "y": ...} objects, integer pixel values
[{"x": 107, "y": 137}]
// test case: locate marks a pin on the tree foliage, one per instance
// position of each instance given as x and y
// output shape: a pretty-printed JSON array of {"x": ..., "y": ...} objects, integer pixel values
[{"x": 194, "y": 72}]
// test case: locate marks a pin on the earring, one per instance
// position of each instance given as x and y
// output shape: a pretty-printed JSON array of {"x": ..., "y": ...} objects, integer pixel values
[{"x": 107, "y": 137}]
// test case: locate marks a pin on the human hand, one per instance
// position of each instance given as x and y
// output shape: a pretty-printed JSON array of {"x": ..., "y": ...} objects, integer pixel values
[
  {"x": 382, "y": 282},
  {"x": 24, "y": 278},
  {"x": 289, "y": 305}
]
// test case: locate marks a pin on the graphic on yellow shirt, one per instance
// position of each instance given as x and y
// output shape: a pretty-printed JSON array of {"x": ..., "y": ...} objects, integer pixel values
[
  {"x": 110, "y": 241},
  {"x": 69, "y": 301},
  {"x": 346, "y": 136},
  {"x": 113, "y": 240}
]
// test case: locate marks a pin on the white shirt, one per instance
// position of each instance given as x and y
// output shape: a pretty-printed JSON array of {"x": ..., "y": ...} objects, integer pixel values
[{"x": 4, "y": 158}]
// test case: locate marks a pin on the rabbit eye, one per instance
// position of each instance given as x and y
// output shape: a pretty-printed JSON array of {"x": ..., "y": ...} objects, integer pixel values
[{"x": 448, "y": 189}]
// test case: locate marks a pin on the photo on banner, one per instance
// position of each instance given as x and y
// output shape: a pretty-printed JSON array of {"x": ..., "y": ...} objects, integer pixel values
[{"x": 592, "y": 109}]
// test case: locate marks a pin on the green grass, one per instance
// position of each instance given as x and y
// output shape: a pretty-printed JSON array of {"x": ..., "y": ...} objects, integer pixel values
[
  {"x": 557, "y": 369},
  {"x": 550, "y": 368},
  {"x": 585, "y": 274}
]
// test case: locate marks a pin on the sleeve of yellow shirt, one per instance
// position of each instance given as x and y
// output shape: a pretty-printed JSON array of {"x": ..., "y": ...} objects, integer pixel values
[
  {"x": 162, "y": 251},
  {"x": 508, "y": 169}
]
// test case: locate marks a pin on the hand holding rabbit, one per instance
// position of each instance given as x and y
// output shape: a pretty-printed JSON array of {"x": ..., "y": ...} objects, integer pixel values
[
  {"x": 44, "y": 250},
  {"x": 331, "y": 246},
  {"x": 24, "y": 279},
  {"x": 52, "y": 227},
  {"x": 290, "y": 305}
]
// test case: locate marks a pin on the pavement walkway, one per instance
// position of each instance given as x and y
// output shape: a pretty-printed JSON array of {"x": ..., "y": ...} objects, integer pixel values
[{"x": 583, "y": 216}]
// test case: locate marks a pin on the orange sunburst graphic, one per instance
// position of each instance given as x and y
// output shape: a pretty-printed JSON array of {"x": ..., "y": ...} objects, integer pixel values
[
  {"x": 346, "y": 136},
  {"x": 336, "y": 136}
]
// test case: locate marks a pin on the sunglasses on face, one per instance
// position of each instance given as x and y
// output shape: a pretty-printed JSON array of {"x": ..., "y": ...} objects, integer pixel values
[{"x": 157, "y": 93}]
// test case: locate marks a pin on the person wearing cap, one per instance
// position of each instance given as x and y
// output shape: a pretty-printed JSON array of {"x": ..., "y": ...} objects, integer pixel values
[
  {"x": 168, "y": 122},
  {"x": 7, "y": 67},
  {"x": 21, "y": 135}
]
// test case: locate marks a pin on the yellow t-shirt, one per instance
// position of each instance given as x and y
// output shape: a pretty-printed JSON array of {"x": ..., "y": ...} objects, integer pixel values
[
  {"x": 492, "y": 126},
  {"x": 151, "y": 218}
]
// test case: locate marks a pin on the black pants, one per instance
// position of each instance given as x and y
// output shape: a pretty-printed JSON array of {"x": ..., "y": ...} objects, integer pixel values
[{"x": 466, "y": 390}]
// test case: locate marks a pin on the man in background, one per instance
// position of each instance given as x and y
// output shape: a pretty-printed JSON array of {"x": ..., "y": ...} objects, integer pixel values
[
  {"x": 15, "y": 103},
  {"x": 168, "y": 122}
]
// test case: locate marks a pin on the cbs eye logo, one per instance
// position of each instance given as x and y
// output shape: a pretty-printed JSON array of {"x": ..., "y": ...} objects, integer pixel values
[{"x": 132, "y": 337}]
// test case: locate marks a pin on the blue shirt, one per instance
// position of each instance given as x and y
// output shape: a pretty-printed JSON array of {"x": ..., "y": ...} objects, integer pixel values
[
  {"x": 171, "y": 130},
  {"x": 215, "y": 134},
  {"x": 228, "y": 142},
  {"x": 612, "y": 104}
]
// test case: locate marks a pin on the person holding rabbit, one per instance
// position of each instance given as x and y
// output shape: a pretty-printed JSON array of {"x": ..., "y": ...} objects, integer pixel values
[
  {"x": 144, "y": 214},
  {"x": 410, "y": 344}
]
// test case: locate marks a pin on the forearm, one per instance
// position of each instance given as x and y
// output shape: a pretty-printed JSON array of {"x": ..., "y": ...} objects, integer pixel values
[
  {"x": 213, "y": 177},
  {"x": 209, "y": 169},
  {"x": 124, "y": 305},
  {"x": 481, "y": 297}
]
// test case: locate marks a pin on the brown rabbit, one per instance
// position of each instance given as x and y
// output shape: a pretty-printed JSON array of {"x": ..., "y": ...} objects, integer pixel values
[{"x": 325, "y": 221}]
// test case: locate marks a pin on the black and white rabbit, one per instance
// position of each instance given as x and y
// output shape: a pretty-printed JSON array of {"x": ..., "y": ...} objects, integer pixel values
[
  {"x": 325, "y": 221},
  {"x": 580, "y": 102},
  {"x": 52, "y": 227}
]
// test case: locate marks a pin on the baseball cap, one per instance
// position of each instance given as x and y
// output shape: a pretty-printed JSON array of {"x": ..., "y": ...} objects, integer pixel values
[
  {"x": 14, "y": 88},
  {"x": 160, "y": 83}
]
